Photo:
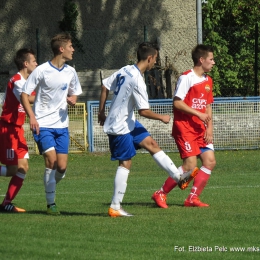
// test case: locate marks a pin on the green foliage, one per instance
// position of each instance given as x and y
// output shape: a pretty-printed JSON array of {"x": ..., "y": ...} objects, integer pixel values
[
  {"x": 69, "y": 22},
  {"x": 229, "y": 26}
]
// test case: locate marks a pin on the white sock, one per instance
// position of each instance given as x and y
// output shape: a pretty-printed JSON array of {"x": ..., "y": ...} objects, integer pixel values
[
  {"x": 3, "y": 170},
  {"x": 120, "y": 185},
  {"x": 21, "y": 175},
  {"x": 180, "y": 169},
  {"x": 50, "y": 185},
  {"x": 59, "y": 176},
  {"x": 167, "y": 164}
]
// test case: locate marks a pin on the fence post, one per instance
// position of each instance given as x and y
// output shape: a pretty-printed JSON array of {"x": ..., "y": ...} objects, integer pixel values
[
  {"x": 256, "y": 59},
  {"x": 145, "y": 33},
  {"x": 37, "y": 46},
  {"x": 146, "y": 73}
]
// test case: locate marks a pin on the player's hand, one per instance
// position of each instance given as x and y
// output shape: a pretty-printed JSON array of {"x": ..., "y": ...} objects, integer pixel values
[
  {"x": 208, "y": 136},
  {"x": 204, "y": 117},
  {"x": 34, "y": 126},
  {"x": 165, "y": 119},
  {"x": 101, "y": 118},
  {"x": 72, "y": 100}
]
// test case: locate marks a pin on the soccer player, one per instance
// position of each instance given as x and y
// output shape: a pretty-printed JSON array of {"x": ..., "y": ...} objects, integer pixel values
[
  {"x": 57, "y": 86},
  {"x": 192, "y": 126},
  {"x": 125, "y": 133},
  {"x": 14, "y": 151}
]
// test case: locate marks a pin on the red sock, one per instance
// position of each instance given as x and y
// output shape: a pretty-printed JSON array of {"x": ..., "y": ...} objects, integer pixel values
[
  {"x": 200, "y": 182},
  {"x": 169, "y": 185},
  {"x": 13, "y": 188}
]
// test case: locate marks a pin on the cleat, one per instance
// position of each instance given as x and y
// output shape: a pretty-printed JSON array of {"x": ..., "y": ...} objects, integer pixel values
[
  {"x": 160, "y": 199},
  {"x": 194, "y": 202},
  {"x": 187, "y": 177},
  {"x": 118, "y": 213},
  {"x": 11, "y": 208},
  {"x": 53, "y": 210}
]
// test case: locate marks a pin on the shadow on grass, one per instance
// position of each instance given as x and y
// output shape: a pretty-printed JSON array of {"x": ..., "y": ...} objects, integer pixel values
[
  {"x": 66, "y": 213},
  {"x": 145, "y": 204}
]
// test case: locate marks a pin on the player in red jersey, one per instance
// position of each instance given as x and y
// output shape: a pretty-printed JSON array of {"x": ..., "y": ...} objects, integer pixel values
[
  {"x": 14, "y": 150},
  {"x": 192, "y": 127}
]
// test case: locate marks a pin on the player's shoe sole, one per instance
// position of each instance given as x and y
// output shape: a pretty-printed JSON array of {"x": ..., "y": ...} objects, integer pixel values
[
  {"x": 118, "y": 213},
  {"x": 53, "y": 210},
  {"x": 195, "y": 202},
  {"x": 160, "y": 199},
  {"x": 187, "y": 177},
  {"x": 10, "y": 208}
]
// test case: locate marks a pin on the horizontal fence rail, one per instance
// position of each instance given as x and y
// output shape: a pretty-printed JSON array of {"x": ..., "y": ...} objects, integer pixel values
[{"x": 235, "y": 120}]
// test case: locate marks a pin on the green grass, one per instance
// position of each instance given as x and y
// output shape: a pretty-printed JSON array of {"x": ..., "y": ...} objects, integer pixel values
[{"x": 84, "y": 231}]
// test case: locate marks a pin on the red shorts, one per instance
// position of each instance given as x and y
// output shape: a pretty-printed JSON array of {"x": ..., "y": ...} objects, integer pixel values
[
  {"x": 190, "y": 145},
  {"x": 13, "y": 144}
]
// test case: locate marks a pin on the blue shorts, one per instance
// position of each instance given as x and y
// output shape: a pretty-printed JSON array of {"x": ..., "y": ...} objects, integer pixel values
[
  {"x": 205, "y": 149},
  {"x": 123, "y": 147},
  {"x": 53, "y": 137}
]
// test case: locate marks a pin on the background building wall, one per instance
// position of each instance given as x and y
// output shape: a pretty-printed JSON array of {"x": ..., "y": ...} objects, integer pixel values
[{"x": 109, "y": 31}]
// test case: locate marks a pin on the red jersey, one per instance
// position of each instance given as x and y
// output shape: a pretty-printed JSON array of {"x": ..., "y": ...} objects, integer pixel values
[
  {"x": 12, "y": 110},
  {"x": 196, "y": 92}
]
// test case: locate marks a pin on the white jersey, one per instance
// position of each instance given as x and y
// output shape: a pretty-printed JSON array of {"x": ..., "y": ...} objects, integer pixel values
[
  {"x": 129, "y": 93},
  {"x": 53, "y": 86},
  {"x": 17, "y": 90}
]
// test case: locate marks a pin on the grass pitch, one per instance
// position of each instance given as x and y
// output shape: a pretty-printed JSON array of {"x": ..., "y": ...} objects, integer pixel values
[{"x": 228, "y": 229}]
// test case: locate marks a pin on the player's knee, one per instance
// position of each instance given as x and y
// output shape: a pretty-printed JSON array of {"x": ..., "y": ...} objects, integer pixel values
[
  {"x": 51, "y": 163},
  {"x": 23, "y": 169},
  {"x": 211, "y": 164},
  {"x": 151, "y": 145},
  {"x": 61, "y": 169}
]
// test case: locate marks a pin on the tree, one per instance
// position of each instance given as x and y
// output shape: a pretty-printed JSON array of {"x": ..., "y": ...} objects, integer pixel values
[
  {"x": 229, "y": 26},
  {"x": 69, "y": 22}
]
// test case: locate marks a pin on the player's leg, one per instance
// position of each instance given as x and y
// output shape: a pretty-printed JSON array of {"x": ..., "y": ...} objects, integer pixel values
[
  {"x": 15, "y": 185},
  {"x": 208, "y": 163},
  {"x": 62, "y": 161},
  {"x": 143, "y": 139},
  {"x": 167, "y": 164},
  {"x": 49, "y": 181},
  {"x": 16, "y": 167},
  {"x": 56, "y": 164},
  {"x": 185, "y": 146},
  {"x": 62, "y": 150},
  {"x": 122, "y": 149},
  {"x": 160, "y": 196},
  {"x": 46, "y": 144}
]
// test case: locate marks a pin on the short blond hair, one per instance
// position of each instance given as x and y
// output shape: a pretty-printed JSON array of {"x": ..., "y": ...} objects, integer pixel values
[{"x": 59, "y": 40}]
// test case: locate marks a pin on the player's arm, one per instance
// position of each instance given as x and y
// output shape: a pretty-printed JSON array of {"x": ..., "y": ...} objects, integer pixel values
[
  {"x": 31, "y": 99},
  {"x": 179, "y": 104},
  {"x": 102, "y": 105},
  {"x": 34, "y": 126},
  {"x": 72, "y": 100},
  {"x": 18, "y": 88},
  {"x": 208, "y": 136},
  {"x": 147, "y": 113}
]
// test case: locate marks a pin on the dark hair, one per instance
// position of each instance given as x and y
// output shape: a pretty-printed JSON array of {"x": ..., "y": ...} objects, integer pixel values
[
  {"x": 146, "y": 49},
  {"x": 21, "y": 56},
  {"x": 59, "y": 40},
  {"x": 200, "y": 51}
]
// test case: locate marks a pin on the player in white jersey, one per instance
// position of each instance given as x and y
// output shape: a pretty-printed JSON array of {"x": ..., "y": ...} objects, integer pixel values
[
  {"x": 57, "y": 86},
  {"x": 125, "y": 133}
]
